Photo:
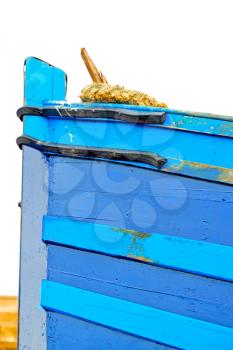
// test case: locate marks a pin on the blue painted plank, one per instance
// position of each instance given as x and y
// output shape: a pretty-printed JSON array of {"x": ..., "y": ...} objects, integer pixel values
[
  {"x": 170, "y": 290},
  {"x": 66, "y": 333},
  {"x": 182, "y": 147},
  {"x": 33, "y": 252},
  {"x": 90, "y": 105},
  {"x": 143, "y": 321},
  {"x": 183, "y": 120},
  {"x": 41, "y": 81},
  {"x": 141, "y": 200},
  {"x": 208, "y": 259}
]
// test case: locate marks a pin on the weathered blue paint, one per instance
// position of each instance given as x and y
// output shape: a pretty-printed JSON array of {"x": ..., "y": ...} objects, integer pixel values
[
  {"x": 195, "y": 154},
  {"x": 68, "y": 333},
  {"x": 141, "y": 200},
  {"x": 184, "y": 150},
  {"x": 211, "y": 260},
  {"x": 144, "y": 138},
  {"x": 33, "y": 252},
  {"x": 143, "y": 321},
  {"x": 170, "y": 290},
  {"x": 183, "y": 120},
  {"x": 137, "y": 107},
  {"x": 41, "y": 81}
]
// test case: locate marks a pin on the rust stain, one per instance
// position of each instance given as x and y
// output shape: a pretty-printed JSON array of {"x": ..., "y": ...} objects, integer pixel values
[
  {"x": 198, "y": 166},
  {"x": 141, "y": 258}
]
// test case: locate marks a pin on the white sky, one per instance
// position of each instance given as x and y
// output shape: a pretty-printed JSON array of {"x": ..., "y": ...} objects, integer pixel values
[{"x": 180, "y": 51}]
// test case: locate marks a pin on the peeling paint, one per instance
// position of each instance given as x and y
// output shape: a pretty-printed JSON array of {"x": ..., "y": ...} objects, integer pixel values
[
  {"x": 134, "y": 233},
  {"x": 199, "y": 125},
  {"x": 226, "y": 127},
  {"x": 199, "y": 166}
]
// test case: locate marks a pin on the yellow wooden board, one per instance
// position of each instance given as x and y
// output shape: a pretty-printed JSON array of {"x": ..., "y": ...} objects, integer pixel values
[{"x": 8, "y": 322}]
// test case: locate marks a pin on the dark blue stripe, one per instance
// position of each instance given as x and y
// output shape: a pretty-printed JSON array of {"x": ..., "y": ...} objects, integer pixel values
[
  {"x": 182, "y": 293},
  {"x": 68, "y": 333}
]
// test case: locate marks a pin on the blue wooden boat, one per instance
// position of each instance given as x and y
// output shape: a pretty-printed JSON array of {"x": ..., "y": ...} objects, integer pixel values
[{"x": 126, "y": 236}]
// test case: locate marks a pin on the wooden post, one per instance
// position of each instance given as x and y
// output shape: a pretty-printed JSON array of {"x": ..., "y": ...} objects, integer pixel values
[{"x": 95, "y": 74}]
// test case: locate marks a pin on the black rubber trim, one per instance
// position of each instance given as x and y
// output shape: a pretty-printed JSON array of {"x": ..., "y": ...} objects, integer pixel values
[
  {"x": 92, "y": 152},
  {"x": 130, "y": 116}
]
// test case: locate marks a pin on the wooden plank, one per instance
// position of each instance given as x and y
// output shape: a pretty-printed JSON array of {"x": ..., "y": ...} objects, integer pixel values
[
  {"x": 212, "y": 260},
  {"x": 143, "y": 321},
  {"x": 117, "y": 195},
  {"x": 175, "y": 291},
  {"x": 95, "y": 74},
  {"x": 143, "y": 138},
  {"x": 177, "y": 120},
  {"x": 195, "y": 154},
  {"x": 194, "y": 115},
  {"x": 42, "y": 81},
  {"x": 8, "y": 322},
  {"x": 65, "y": 332},
  {"x": 33, "y": 253}
]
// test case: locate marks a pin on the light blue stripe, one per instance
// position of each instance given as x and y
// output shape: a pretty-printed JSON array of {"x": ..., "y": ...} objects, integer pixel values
[
  {"x": 139, "y": 320},
  {"x": 136, "y": 108},
  {"x": 208, "y": 259},
  {"x": 42, "y": 81},
  {"x": 188, "y": 121}
]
